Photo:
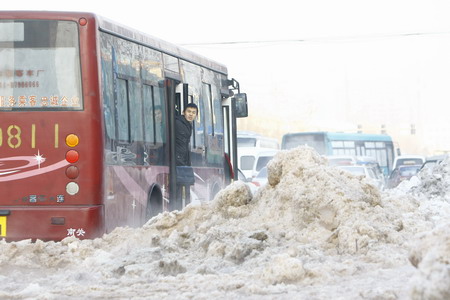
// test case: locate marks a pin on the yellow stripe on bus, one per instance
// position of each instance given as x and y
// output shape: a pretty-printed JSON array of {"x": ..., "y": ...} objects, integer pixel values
[
  {"x": 56, "y": 135},
  {"x": 33, "y": 136},
  {"x": 3, "y": 226}
]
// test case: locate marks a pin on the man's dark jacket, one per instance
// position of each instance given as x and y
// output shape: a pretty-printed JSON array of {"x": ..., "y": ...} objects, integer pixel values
[{"x": 183, "y": 131}]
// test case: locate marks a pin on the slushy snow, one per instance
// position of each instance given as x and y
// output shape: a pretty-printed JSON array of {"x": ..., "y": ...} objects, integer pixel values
[{"x": 313, "y": 232}]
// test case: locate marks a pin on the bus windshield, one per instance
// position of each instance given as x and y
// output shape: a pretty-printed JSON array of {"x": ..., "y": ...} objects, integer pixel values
[{"x": 39, "y": 65}]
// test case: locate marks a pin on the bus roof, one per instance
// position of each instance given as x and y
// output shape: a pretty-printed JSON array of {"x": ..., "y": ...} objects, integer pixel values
[
  {"x": 134, "y": 35},
  {"x": 344, "y": 136},
  {"x": 117, "y": 29}
]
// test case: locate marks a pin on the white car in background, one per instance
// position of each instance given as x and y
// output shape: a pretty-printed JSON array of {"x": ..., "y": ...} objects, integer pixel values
[
  {"x": 251, "y": 160},
  {"x": 368, "y": 172},
  {"x": 340, "y": 160},
  {"x": 261, "y": 178},
  {"x": 251, "y": 185}
]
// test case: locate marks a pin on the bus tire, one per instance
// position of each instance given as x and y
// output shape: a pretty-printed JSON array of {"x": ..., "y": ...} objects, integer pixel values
[{"x": 154, "y": 203}]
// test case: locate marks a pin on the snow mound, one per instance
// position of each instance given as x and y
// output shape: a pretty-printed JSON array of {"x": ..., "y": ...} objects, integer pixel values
[{"x": 310, "y": 230}]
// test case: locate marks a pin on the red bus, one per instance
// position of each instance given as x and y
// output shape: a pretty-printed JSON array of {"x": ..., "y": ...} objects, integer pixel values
[{"x": 87, "y": 110}]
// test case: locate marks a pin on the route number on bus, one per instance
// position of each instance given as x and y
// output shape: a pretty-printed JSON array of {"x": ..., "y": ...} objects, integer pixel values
[{"x": 12, "y": 136}]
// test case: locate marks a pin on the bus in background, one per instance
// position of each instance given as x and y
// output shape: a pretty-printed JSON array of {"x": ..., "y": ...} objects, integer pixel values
[
  {"x": 378, "y": 146},
  {"x": 253, "y": 139},
  {"x": 87, "y": 109}
]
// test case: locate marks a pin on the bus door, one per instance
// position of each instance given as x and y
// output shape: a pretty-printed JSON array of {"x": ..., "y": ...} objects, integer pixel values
[
  {"x": 233, "y": 108},
  {"x": 177, "y": 99},
  {"x": 230, "y": 137},
  {"x": 173, "y": 109}
]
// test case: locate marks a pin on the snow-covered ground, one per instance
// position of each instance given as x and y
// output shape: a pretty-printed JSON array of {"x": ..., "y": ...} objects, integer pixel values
[{"x": 313, "y": 232}]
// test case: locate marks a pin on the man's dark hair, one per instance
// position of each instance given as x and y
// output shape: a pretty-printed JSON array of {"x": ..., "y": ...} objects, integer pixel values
[{"x": 192, "y": 105}]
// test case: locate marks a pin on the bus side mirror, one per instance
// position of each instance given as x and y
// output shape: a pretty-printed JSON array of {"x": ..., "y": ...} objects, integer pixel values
[{"x": 241, "y": 105}]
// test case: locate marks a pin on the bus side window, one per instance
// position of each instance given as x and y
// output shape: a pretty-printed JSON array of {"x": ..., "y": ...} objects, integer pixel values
[
  {"x": 198, "y": 138},
  {"x": 160, "y": 116},
  {"x": 108, "y": 97},
  {"x": 154, "y": 124},
  {"x": 136, "y": 116},
  {"x": 207, "y": 104},
  {"x": 122, "y": 110},
  {"x": 193, "y": 136}
]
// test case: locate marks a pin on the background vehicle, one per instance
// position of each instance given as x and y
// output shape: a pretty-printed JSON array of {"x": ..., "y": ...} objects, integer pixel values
[
  {"x": 404, "y": 160},
  {"x": 366, "y": 171},
  {"x": 402, "y": 173},
  {"x": 432, "y": 161},
  {"x": 241, "y": 177},
  {"x": 87, "y": 124},
  {"x": 379, "y": 146},
  {"x": 252, "y": 160},
  {"x": 252, "y": 139},
  {"x": 261, "y": 178},
  {"x": 372, "y": 162},
  {"x": 341, "y": 160}
]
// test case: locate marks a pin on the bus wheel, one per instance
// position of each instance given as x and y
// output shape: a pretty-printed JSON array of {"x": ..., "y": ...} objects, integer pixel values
[{"x": 154, "y": 203}]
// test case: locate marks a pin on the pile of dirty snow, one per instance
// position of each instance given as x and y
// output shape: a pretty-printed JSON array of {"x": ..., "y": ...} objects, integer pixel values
[{"x": 313, "y": 231}]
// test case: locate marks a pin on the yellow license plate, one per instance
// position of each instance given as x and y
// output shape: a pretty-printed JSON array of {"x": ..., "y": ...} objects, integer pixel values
[{"x": 3, "y": 226}]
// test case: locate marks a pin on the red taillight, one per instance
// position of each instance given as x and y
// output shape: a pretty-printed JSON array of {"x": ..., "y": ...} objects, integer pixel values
[
  {"x": 82, "y": 21},
  {"x": 72, "y": 172},
  {"x": 72, "y": 156}
]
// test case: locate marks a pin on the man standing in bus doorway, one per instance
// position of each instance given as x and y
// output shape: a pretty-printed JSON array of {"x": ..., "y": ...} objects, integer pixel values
[{"x": 185, "y": 174}]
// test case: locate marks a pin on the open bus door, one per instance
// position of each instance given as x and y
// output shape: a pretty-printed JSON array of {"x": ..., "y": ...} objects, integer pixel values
[{"x": 177, "y": 95}]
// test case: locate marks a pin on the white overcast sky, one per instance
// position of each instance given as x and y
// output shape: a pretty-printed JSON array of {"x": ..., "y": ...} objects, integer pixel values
[
  {"x": 188, "y": 21},
  {"x": 203, "y": 21},
  {"x": 361, "y": 60}
]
